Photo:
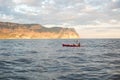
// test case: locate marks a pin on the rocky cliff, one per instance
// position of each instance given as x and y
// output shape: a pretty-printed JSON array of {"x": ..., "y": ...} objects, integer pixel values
[{"x": 34, "y": 31}]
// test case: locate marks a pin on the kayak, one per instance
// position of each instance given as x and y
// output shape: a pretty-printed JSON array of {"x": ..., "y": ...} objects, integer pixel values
[{"x": 71, "y": 45}]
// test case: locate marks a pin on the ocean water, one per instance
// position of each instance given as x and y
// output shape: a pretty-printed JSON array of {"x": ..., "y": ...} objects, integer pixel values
[{"x": 96, "y": 59}]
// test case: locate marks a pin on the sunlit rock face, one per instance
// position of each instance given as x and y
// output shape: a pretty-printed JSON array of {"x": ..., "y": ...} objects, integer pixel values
[{"x": 34, "y": 31}]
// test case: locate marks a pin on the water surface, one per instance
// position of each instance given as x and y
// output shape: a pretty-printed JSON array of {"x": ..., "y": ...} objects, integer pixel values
[{"x": 97, "y": 59}]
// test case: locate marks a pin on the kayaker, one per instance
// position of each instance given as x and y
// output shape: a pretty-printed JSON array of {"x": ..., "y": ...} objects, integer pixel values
[{"x": 79, "y": 44}]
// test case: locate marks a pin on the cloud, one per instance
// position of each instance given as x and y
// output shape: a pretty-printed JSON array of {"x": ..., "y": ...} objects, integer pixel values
[
  {"x": 27, "y": 10},
  {"x": 115, "y": 4},
  {"x": 4, "y": 17},
  {"x": 28, "y": 2},
  {"x": 73, "y": 12}
]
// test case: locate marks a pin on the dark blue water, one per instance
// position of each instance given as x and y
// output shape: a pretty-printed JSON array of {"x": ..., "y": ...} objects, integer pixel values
[{"x": 97, "y": 59}]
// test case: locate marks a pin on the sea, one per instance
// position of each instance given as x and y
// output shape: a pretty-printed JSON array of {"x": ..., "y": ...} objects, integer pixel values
[{"x": 47, "y": 59}]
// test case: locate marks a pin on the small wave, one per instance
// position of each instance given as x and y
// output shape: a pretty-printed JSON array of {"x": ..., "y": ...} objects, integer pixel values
[
  {"x": 90, "y": 69},
  {"x": 80, "y": 53},
  {"x": 72, "y": 77},
  {"x": 63, "y": 50},
  {"x": 112, "y": 54},
  {"x": 6, "y": 54},
  {"x": 22, "y": 71},
  {"x": 115, "y": 62},
  {"x": 115, "y": 77},
  {"x": 38, "y": 68},
  {"x": 77, "y": 59},
  {"x": 62, "y": 57},
  {"x": 3, "y": 48},
  {"x": 28, "y": 52},
  {"x": 15, "y": 78},
  {"x": 5, "y": 63},
  {"x": 24, "y": 60},
  {"x": 31, "y": 52}
]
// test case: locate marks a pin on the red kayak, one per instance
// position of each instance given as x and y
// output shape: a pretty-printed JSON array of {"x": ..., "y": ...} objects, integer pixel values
[{"x": 71, "y": 45}]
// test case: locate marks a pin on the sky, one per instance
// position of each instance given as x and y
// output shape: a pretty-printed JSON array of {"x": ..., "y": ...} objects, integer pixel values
[{"x": 90, "y": 18}]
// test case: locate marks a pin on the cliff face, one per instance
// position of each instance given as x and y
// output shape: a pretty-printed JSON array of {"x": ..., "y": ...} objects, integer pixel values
[{"x": 34, "y": 31}]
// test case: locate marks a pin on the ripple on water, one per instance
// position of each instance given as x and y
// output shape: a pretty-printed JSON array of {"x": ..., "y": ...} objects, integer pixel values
[
  {"x": 24, "y": 61},
  {"x": 6, "y": 63},
  {"x": 15, "y": 78},
  {"x": 112, "y": 55},
  {"x": 115, "y": 62},
  {"x": 31, "y": 52},
  {"x": 6, "y": 54},
  {"x": 77, "y": 59},
  {"x": 114, "y": 77},
  {"x": 87, "y": 68},
  {"x": 72, "y": 77},
  {"x": 3, "y": 49}
]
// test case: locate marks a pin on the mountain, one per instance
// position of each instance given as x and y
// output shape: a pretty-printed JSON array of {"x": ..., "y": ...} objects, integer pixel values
[{"x": 34, "y": 31}]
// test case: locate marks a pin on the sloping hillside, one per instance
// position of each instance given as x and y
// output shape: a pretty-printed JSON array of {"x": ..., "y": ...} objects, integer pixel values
[{"x": 34, "y": 31}]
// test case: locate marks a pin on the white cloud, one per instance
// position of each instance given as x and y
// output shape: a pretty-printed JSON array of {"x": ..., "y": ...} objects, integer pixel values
[
  {"x": 114, "y": 0},
  {"x": 113, "y": 21},
  {"x": 17, "y": 1},
  {"x": 24, "y": 1},
  {"x": 88, "y": 8},
  {"x": 24, "y": 9},
  {"x": 4, "y": 17}
]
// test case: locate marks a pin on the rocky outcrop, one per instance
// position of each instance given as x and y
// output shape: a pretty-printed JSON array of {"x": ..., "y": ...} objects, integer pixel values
[{"x": 34, "y": 31}]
